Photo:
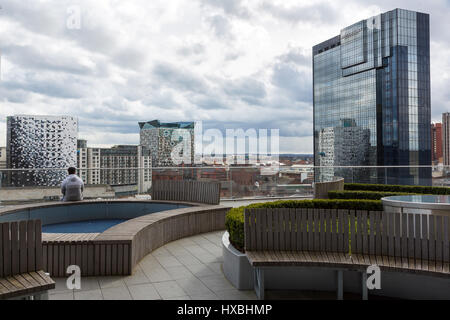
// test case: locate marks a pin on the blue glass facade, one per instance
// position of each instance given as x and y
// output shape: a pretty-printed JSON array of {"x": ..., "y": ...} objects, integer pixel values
[{"x": 372, "y": 100}]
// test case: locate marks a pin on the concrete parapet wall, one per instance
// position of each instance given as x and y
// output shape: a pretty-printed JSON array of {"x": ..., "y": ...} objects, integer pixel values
[
  {"x": 40, "y": 193},
  {"x": 321, "y": 188}
]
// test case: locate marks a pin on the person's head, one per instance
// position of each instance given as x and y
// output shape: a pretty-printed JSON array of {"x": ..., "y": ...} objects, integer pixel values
[{"x": 72, "y": 170}]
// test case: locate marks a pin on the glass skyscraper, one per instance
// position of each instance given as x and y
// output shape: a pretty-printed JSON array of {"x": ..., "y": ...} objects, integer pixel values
[{"x": 372, "y": 100}]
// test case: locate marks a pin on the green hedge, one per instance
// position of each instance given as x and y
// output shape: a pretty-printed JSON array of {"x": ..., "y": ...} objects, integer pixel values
[
  {"x": 234, "y": 220},
  {"x": 397, "y": 188},
  {"x": 368, "y": 195}
]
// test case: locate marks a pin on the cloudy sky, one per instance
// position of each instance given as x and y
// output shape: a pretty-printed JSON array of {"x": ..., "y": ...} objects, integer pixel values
[{"x": 230, "y": 63}]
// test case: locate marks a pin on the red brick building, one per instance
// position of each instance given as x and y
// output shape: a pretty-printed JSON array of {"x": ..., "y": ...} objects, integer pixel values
[{"x": 436, "y": 143}]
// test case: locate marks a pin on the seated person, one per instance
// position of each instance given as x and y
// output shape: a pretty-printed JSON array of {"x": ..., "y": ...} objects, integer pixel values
[{"x": 72, "y": 187}]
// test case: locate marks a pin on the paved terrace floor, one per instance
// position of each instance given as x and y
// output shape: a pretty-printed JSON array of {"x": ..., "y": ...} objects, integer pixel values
[{"x": 186, "y": 269}]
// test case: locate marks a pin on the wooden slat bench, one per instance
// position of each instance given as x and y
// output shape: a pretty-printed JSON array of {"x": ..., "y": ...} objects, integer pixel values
[
  {"x": 207, "y": 192},
  {"x": 346, "y": 240},
  {"x": 21, "y": 273}
]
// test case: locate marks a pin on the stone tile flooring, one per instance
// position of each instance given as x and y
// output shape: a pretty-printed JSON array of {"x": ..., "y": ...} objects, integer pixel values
[{"x": 189, "y": 268}]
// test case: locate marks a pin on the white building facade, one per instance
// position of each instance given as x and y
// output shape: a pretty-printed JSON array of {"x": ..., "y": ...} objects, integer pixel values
[{"x": 38, "y": 143}]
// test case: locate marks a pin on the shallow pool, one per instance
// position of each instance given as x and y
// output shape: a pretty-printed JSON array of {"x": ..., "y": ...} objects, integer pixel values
[{"x": 90, "y": 226}]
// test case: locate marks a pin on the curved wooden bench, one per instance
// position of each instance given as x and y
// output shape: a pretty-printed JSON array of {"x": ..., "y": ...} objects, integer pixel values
[
  {"x": 207, "y": 192},
  {"x": 346, "y": 239},
  {"x": 21, "y": 265}
]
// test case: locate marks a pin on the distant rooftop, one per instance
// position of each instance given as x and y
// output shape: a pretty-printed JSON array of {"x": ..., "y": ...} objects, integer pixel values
[
  {"x": 40, "y": 116},
  {"x": 159, "y": 124}
]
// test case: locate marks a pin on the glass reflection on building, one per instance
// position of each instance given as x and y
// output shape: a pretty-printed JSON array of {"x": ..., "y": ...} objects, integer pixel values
[{"x": 372, "y": 100}]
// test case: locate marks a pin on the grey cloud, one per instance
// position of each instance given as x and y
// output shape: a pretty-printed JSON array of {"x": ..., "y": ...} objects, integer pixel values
[
  {"x": 49, "y": 19},
  {"x": 294, "y": 127},
  {"x": 94, "y": 37},
  {"x": 296, "y": 83},
  {"x": 290, "y": 127},
  {"x": 58, "y": 87},
  {"x": 14, "y": 95},
  {"x": 221, "y": 27},
  {"x": 314, "y": 13},
  {"x": 209, "y": 103},
  {"x": 131, "y": 58},
  {"x": 36, "y": 16},
  {"x": 162, "y": 99},
  {"x": 247, "y": 89},
  {"x": 190, "y": 50},
  {"x": 176, "y": 77},
  {"x": 229, "y": 7},
  {"x": 232, "y": 56},
  {"x": 30, "y": 58},
  {"x": 296, "y": 56}
]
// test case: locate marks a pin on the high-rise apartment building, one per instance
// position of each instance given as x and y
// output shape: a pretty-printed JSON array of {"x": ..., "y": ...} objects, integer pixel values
[
  {"x": 375, "y": 75},
  {"x": 436, "y": 143},
  {"x": 170, "y": 144},
  {"x": 126, "y": 165},
  {"x": 338, "y": 148},
  {"x": 40, "y": 142},
  {"x": 2, "y": 158},
  {"x": 116, "y": 166},
  {"x": 88, "y": 163},
  {"x": 446, "y": 137},
  {"x": 2, "y": 165}
]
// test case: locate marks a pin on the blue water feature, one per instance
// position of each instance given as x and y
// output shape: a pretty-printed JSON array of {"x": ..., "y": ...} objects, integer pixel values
[{"x": 90, "y": 226}]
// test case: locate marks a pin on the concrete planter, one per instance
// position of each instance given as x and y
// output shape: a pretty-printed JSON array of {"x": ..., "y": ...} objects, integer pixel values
[{"x": 236, "y": 267}]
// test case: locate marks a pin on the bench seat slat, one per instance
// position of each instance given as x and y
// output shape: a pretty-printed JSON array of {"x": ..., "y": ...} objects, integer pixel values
[
  {"x": 305, "y": 258},
  {"x": 24, "y": 284}
]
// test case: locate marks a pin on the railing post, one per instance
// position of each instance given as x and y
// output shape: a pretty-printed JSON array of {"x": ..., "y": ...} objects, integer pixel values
[
  {"x": 364, "y": 291},
  {"x": 340, "y": 284},
  {"x": 231, "y": 183}
]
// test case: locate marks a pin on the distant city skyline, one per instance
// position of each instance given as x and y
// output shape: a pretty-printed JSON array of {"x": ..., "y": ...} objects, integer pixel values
[{"x": 228, "y": 63}]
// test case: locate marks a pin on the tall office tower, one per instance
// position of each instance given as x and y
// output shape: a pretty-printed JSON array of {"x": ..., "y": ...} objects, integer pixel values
[
  {"x": 36, "y": 142},
  {"x": 88, "y": 163},
  {"x": 376, "y": 74},
  {"x": 126, "y": 165},
  {"x": 446, "y": 137},
  {"x": 170, "y": 144},
  {"x": 436, "y": 143}
]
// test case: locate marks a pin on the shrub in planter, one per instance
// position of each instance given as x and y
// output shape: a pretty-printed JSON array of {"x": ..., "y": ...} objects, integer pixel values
[
  {"x": 359, "y": 194},
  {"x": 234, "y": 220},
  {"x": 397, "y": 188}
]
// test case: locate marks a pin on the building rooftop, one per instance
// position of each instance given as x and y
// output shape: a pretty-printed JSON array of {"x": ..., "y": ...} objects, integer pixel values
[{"x": 158, "y": 124}]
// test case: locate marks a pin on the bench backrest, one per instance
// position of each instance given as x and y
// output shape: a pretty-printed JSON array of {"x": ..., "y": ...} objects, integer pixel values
[
  {"x": 416, "y": 236},
  {"x": 20, "y": 247},
  {"x": 191, "y": 191}
]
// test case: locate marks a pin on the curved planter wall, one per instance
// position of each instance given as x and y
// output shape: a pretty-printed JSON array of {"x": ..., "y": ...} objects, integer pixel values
[
  {"x": 236, "y": 267},
  {"x": 117, "y": 250},
  {"x": 321, "y": 188},
  {"x": 61, "y": 212}
]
